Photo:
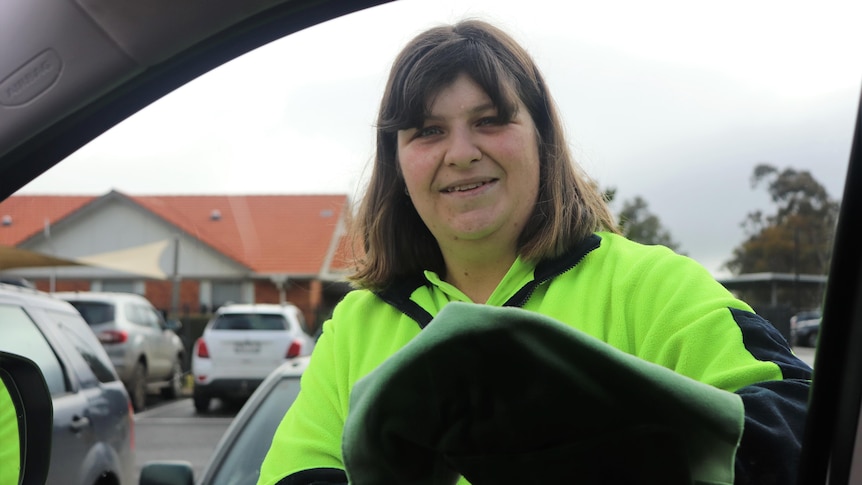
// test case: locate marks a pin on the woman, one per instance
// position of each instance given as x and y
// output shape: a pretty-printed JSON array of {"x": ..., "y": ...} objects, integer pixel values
[{"x": 474, "y": 197}]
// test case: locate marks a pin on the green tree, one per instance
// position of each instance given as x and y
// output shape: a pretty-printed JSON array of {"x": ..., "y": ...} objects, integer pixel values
[
  {"x": 797, "y": 238},
  {"x": 639, "y": 224}
]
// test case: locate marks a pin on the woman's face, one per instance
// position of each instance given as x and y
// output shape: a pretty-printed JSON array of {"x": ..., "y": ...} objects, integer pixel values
[{"x": 471, "y": 176}]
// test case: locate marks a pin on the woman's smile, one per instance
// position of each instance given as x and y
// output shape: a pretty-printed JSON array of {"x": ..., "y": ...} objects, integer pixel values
[{"x": 469, "y": 188}]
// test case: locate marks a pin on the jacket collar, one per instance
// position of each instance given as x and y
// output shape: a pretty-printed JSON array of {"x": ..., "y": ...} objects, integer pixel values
[{"x": 399, "y": 292}]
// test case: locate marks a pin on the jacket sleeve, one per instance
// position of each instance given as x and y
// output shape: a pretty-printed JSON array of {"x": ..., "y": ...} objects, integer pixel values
[
  {"x": 699, "y": 329},
  {"x": 775, "y": 411},
  {"x": 668, "y": 309},
  {"x": 306, "y": 447}
]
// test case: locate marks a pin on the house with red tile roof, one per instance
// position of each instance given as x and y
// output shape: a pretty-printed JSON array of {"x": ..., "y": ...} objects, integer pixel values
[{"x": 187, "y": 253}]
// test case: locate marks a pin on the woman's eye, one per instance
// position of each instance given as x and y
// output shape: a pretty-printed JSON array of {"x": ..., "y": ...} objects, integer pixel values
[
  {"x": 489, "y": 121},
  {"x": 428, "y": 131}
]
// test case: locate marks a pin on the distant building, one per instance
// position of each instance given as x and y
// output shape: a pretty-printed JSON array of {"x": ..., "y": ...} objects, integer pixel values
[
  {"x": 778, "y": 296},
  {"x": 775, "y": 288},
  {"x": 219, "y": 248}
]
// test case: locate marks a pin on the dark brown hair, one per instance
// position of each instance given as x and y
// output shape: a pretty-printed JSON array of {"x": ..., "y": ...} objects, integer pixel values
[{"x": 394, "y": 239}]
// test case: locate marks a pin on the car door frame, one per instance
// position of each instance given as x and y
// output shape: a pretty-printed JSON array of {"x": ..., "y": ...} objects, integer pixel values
[
  {"x": 829, "y": 452},
  {"x": 69, "y": 446}
]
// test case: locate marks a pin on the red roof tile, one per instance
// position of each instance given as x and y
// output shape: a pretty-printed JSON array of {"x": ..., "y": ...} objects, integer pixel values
[
  {"x": 346, "y": 253},
  {"x": 267, "y": 233},
  {"x": 26, "y": 214}
]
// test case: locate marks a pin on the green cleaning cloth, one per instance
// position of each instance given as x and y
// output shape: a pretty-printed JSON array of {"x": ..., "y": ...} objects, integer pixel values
[{"x": 502, "y": 395}]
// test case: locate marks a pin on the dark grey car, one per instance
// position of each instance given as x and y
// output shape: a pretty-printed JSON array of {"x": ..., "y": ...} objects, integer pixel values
[
  {"x": 93, "y": 419},
  {"x": 804, "y": 332}
]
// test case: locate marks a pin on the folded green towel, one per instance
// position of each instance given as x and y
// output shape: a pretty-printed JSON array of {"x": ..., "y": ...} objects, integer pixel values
[{"x": 504, "y": 395}]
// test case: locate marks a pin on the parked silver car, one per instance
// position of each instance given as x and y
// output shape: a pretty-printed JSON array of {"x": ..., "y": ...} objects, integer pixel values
[
  {"x": 93, "y": 425},
  {"x": 145, "y": 350}
]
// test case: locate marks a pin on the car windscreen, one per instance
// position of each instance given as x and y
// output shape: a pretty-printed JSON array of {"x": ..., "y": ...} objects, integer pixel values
[
  {"x": 240, "y": 465},
  {"x": 95, "y": 312},
  {"x": 250, "y": 321}
]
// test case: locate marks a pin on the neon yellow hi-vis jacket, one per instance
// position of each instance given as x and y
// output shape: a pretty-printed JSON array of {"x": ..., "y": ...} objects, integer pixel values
[
  {"x": 644, "y": 300},
  {"x": 10, "y": 449}
]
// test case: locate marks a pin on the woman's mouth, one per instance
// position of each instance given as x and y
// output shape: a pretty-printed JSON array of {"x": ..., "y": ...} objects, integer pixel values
[{"x": 466, "y": 187}]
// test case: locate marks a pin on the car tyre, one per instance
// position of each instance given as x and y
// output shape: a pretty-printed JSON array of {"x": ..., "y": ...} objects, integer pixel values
[
  {"x": 138, "y": 387},
  {"x": 202, "y": 403},
  {"x": 175, "y": 386}
]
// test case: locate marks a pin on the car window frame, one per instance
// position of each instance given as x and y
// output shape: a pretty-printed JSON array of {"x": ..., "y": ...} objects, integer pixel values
[
  {"x": 68, "y": 386},
  {"x": 135, "y": 92},
  {"x": 90, "y": 354},
  {"x": 836, "y": 392},
  {"x": 835, "y": 403}
]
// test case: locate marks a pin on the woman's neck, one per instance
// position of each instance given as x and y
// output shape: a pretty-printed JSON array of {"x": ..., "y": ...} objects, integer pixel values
[{"x": 478, "y": 275}]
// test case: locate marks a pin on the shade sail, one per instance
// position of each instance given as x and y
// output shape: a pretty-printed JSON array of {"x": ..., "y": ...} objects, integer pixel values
[
  {"x": 12, "y": 257},
  {"x": 141, "y": 260}
]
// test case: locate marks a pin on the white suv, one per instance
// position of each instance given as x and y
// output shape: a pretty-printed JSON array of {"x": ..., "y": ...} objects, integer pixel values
[{"x": 241, "y": 345}]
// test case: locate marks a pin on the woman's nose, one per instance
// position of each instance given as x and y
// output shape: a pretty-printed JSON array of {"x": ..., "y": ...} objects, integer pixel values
[{"x": 462, "y": 149}]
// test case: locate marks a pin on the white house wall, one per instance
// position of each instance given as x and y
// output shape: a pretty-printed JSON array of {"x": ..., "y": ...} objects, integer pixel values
[{"x": 117, "y": 224}]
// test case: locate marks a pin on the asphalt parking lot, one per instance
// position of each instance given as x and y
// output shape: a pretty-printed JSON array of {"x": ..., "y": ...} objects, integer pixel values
[{"x": 806, "y": 354}]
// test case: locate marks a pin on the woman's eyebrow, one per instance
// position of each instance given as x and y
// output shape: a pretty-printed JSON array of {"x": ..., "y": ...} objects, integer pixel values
[{"x": 481, "y": 108}]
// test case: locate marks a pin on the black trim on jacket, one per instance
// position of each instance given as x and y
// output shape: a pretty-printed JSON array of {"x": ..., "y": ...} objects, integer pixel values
[
  {"x": 398, "y": 293},
  {"x": 775, "y": 411},
  {"x": 316, "y": 476}
]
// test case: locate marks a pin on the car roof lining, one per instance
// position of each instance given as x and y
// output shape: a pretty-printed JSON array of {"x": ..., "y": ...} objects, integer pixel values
[
  {"x": 153, "y": 30},
  {"x": 82, "y": 49},
  {"x": 108, "y": 73}
]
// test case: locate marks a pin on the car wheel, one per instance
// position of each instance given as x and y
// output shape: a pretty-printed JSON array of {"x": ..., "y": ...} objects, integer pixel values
[
  {"x": 811, "y": 339},
  {"x": 138, "y": 387},
  {"x": 175, "y": 386},
  {"x": 202, "y": 403}
]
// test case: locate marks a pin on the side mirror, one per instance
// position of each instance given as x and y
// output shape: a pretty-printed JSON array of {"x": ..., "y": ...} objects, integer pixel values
[
  {"x": 26, "y": 422},
  {"x": 167, "y": 473}
]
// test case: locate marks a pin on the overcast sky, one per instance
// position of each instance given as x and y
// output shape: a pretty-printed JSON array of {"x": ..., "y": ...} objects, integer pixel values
[{"x": 674, "y": 101}]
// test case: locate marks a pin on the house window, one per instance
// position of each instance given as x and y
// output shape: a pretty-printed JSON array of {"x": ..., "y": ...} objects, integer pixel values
[
  {"x": 226, "y": 292},
  {"x": 122, "y": 286}
]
